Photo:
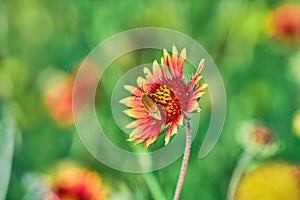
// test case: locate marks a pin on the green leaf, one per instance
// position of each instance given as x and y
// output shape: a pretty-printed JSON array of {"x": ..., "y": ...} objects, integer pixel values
[{"x": 7, "y": 131}]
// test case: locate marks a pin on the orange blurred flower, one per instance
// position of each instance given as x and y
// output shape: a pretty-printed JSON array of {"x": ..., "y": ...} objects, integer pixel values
[
  {"x": 284, "y": 22},
  {"x": 76, "y": 184},
  {"x": 58, "y": 101},
  {"x": 58, "y": 98}
]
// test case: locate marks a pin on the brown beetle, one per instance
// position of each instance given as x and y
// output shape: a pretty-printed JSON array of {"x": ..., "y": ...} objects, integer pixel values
[{"x": 151, "y": 106}]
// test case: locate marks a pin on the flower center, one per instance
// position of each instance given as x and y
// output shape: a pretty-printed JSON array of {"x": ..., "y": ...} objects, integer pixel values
[
  {"x": 167, "y": 99},
  {"x": 262, "y": 136}
]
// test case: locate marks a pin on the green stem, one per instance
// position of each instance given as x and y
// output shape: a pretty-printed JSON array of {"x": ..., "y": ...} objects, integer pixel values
[
  {"x": 152, "y": 182},
  {"x": 7, "y": 134},
  {"x": 242, "y": 164},
  {"x": 154, "y": 187}
]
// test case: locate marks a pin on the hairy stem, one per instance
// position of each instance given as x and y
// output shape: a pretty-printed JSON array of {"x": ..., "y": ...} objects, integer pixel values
[{"x": 184, "y": 161}]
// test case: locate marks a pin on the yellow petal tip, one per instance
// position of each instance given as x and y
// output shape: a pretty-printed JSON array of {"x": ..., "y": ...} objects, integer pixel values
[{"x": 183, "y": 53}]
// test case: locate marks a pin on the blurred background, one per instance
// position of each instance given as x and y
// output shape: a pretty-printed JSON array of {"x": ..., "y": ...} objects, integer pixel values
[{"x": 255, "y": 44}]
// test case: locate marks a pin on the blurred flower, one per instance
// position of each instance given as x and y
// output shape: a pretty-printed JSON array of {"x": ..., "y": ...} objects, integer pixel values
[
  {"x": 296, "y": 123},
  {"x": 58, "y": 101},
  {"x": 257, "y": 139},
  {"x": 270, "y": 181},
  {"x": 58, "y": 97},
  {"x": 285, "y": 22},
  {"x": 162, "y": 99},
  {"x": 76, "y": 183}
]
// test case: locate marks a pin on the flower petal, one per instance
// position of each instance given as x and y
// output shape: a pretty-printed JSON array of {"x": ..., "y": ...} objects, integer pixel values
[
  {"x": 174, "y": 60},
  {"x": 198, "y": 95},
  {"x": 180, "y": 120},
  {"x": 171, "y": 131},
  {"x": 195, "y": 78},
  {"x": 140, "y": 81},
  {"x": 180, "y": 62},
  {"x": 195, "y": 81},
  {"x": 139, "y": 122},
  {"x": 149, "y": 141},
  {"x": 198, "y": 92},
  {"x": 133, "y": 90},
  {"x": 134, "y": 133},
  {"x": 156, "y": 70},
  {"x": 168, "y": 62},
  {"x": 192, "y": 106},
  {"x": 164, "y": 71},
  {"x": 201, "y": 87},
  {"x": 166, "y": 55},
  {"x": 139, "y": 141},
  {"x": 148, "y": 133},
  {"x": 171, "y": 67},
  {"x": 177, "y": 62},
  {"x": 148, "y": 74},
  {"x": 131, "y": 101},
  {"x": 136, "y": 112}
]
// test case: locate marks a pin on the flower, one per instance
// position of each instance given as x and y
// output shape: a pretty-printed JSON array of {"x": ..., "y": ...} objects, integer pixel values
[
  {"x": 58, "y": 98},
  {"x": 285, "y": 22},
  {"x": 257, "y": 139},
  {"x": 58, "y": 101},
  {"x": 270, "y": 181},
  {"x": 76, "y": 183},
  {"x": 296, "y": 123},
  {"x": 162, "y": 99}
]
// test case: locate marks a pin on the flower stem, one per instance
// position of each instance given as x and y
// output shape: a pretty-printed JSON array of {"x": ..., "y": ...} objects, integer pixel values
[
  {"x": 243, "y": 162},
  {"x": 184, "y": 161},
  {"x": 154, "y": 188}
]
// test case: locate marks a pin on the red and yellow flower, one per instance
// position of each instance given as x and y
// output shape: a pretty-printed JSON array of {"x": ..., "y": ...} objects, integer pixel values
[
  {"x": 162, "y": 99},
  {"x": 284, "y": 22},
  {"x": 76, "y": 183}
]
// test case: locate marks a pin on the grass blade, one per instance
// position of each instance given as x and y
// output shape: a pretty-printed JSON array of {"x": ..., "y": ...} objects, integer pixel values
[{"x": 7, "y": 131}]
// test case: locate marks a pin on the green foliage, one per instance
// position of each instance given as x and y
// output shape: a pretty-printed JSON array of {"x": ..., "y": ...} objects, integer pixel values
[{"x": 38, "y": 37}]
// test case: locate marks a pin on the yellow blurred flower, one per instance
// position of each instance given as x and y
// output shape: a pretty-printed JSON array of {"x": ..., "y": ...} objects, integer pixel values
[
  {"x": 76, "y": 184},
  {"x": 270, "y": 181}
]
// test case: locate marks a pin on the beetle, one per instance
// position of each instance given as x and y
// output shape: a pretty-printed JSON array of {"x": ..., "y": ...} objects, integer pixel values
[{"x": 151, "y": 106}]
